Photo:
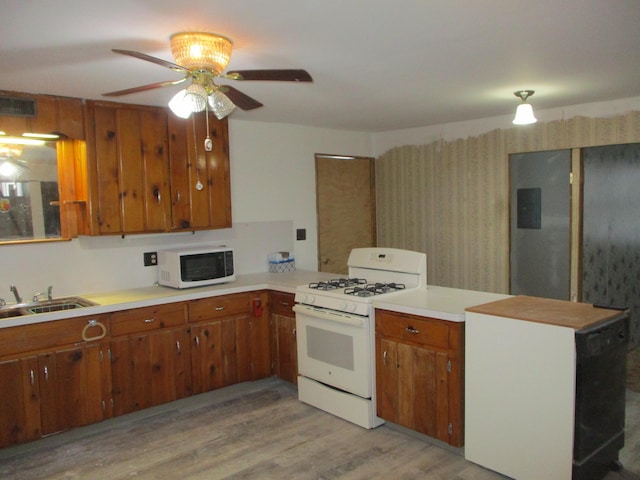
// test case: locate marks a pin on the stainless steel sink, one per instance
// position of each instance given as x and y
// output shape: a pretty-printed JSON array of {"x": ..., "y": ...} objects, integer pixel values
[
  {"x": 44, "y": 306},
  {"x": 10, "y": 313},
  {"x": 57, "y": 304}
]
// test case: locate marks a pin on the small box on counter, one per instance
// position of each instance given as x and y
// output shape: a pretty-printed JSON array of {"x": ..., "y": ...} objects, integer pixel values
[{"x": 280, "y": 262}]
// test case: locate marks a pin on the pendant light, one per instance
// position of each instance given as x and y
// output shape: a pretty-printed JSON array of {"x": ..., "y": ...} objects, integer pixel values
[{"x": 524, "y": 112}]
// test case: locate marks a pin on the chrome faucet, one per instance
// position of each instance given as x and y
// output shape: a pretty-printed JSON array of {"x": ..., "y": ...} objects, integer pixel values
[
  {"x": 49, "y": 296},
  {"x": 15, "y": 293}
]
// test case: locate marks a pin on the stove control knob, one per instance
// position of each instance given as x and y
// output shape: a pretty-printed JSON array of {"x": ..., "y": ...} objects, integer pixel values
[
  {"x": 308, "y": 299},
  {"x": 350, "y": 307}
]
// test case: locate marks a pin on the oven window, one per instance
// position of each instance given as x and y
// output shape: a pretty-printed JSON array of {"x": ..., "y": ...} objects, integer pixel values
[{"x": 330, "y": 347}]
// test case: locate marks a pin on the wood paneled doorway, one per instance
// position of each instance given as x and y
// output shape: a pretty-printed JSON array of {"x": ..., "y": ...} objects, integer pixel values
[{"x": 346, "y": 208}]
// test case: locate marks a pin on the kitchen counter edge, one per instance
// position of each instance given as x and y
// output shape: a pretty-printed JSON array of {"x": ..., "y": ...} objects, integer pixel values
[{"x": 114, "y": 301}]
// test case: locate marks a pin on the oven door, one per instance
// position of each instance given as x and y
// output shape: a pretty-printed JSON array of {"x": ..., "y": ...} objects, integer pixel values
[{"x": 335, "y": 348}]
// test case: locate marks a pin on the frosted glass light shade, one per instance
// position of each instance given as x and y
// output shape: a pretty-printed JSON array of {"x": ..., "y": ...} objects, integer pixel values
[
  {"x": 524, "y": 115},
  {"x": 201, "y": 51},
  {"x": 179, "y": 106},
  {"x": 220, "y": 104}
]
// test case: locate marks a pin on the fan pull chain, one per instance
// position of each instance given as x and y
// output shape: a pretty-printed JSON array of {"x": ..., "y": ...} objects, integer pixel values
[
  {"x": 208, "y": 143},
  {"x": 199, "y": 185}
]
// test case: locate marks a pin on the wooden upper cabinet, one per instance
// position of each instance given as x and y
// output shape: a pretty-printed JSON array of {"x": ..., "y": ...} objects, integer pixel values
[
  {"x": 127, "y": 168},
  {"x": 148, "y": 171},
  {"x": 63, "y": 115},
  {"x": 200, "y": 182}
]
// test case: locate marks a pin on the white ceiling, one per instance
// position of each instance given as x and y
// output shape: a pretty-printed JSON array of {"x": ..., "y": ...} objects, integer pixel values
[{"x": 377, "y": 65}]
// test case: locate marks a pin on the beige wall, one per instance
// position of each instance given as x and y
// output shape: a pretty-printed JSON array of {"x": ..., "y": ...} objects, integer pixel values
[{"x": 450, "y": 199}]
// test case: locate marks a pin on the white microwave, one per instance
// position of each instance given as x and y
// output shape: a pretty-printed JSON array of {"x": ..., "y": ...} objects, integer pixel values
[{"x": 195, "y": 267}]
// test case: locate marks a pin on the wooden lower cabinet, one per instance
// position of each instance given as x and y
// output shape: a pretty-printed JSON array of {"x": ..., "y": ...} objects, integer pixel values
[
  {"x": 419, "y": 378},
  {"x": 150, "y": 357},
  {"x": 134, "y": 359},
  {"x": 283, "y": 337},
  {"x": 19, "y": 402},
  {"x": 53, "y": 388},
  {"x": 229, "y": 340}
]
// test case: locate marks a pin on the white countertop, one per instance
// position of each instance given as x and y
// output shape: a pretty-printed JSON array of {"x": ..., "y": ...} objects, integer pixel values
[
  {"x": 437, "y": 302},
  {"x": 156, "y": 295}
]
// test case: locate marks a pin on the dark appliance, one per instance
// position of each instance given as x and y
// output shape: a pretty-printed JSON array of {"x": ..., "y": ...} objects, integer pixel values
[{"x": 601, "y": 353}]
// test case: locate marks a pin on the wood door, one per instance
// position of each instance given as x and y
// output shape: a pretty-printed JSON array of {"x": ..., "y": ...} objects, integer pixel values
[
  {"x": 213, "y": 354},
  {"x": 150, "y": 369},
  {"x": 129, "y": 164},
  {"x": 346, "y": 209},
  {"x": 71, "y": 387},
  {"x": 20, "y": 402},
  {"x": 387, "y": 379},
  {"x": 285, "y": 347},
  {"x": 200, "y": 181},
  {"x": 252, "y": 342}
]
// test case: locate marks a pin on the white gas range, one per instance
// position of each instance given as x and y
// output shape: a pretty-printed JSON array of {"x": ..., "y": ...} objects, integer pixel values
[{"x": 336, "y": 333}]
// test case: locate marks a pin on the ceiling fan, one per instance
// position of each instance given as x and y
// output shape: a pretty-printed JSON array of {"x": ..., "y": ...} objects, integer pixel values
[{"x": 202, "y": 58}]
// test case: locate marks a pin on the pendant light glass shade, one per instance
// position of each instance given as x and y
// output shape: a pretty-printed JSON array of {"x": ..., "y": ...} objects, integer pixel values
[
  {"x": 179, "y": 106},
  {"x": 524, "y": 112},
  {"x": 196, "y": 97},
  {"x": 220, "y": 104},
  {"x": 524, "y": 115},
  {"x": 201, "y": 51}
]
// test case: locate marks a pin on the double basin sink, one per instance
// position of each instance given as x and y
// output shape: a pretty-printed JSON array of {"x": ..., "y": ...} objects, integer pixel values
[{"x": 44, "y": 306}]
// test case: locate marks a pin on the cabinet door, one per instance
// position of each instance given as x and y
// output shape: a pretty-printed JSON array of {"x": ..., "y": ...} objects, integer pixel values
[
  {"x": 412, "y": 388},
  {"x": 72, "y": 387},
  {"x": 285, "y": 347},
  {"x": 200, "y": 182},
  {"x": 128, "y": 162},
  {"x": 214, "y": 358},
  {"x": 387, "y": 391},
  {"x": 150, "y": 369},
  {"x": 252, "y": 341},
  {"x": 19, "y": 402}
]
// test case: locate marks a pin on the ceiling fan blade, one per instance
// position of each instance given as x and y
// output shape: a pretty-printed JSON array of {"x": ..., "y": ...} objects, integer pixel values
[
  {"x": 274, "y": 75},
  {"x": 149, "y": 58},
  {"x": 240, "y": 100},
  {"x": 144, "y": 88}
]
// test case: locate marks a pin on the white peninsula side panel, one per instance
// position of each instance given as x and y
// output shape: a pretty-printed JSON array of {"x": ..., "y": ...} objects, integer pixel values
[{"x": 520, "y": 390}]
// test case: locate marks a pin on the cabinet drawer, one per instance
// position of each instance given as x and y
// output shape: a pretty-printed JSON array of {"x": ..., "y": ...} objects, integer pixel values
[
  {"x": 412, "y": 329},
  {"x": 218, "y": 307},
  {"x": 282, "y": 303},
  {"x": 47, "y": 335},
  {"x": 148, "y": 318}
]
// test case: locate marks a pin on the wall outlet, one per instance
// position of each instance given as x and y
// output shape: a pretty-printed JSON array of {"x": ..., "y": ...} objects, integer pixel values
[
  {"x": 150, "y": 259},
  {"x": 301, "y": 234}
]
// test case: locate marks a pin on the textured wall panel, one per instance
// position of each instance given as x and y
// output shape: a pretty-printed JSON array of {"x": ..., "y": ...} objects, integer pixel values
[{"x": 451, "y": 199}]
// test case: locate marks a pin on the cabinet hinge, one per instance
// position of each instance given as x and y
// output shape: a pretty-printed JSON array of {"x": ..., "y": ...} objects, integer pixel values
[
  {"x": 450, "y": 428},
  {"x": 449, "y": 366}
]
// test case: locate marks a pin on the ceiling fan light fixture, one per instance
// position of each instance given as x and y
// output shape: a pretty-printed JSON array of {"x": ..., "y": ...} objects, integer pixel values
[
  {"x": 179, "y": 106},
  {"x": 201, "y": 51},
  {"x": 524, "y": 112},
  {"x": 195, "y": 97},
  {"x": 220, "y": 104}
]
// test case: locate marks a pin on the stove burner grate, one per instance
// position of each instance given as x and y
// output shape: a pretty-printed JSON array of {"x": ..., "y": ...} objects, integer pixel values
[
  {"x": 374, "y": 289},
  {"x": 337, "y": 283}
]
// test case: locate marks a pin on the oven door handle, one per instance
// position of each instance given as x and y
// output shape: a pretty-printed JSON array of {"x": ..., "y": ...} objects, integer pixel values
[{"x": 330, "y": 315}]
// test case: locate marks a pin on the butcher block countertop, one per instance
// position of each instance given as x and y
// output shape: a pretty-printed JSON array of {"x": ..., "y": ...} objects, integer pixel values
[{"x": 544, "y": 310}]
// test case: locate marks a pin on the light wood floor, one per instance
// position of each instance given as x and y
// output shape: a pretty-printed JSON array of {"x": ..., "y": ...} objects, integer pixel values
[{"x": 253, "y": 431}]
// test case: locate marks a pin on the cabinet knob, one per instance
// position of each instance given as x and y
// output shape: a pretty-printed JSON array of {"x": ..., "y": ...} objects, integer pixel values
[{"x": 411, "y": 329}]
